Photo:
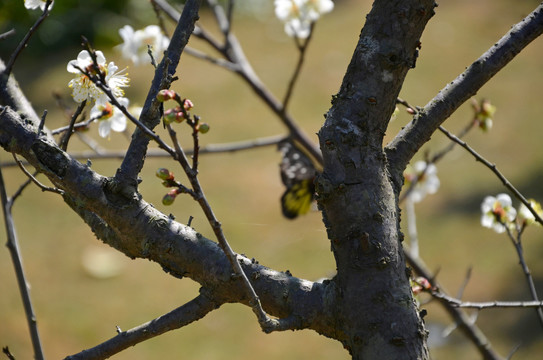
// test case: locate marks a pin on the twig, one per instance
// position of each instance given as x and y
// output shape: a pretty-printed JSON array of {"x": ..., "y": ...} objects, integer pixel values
[
  {"x": 64, "y": 142},
  {"x": 513, "y": 351},
  {"x": 182, "y": 316},
  {"x": 7, "y": 34},
  {"x": 495, "y": 170},
  {"x": 25, "y": 40},
  {"x": 520, "y": 252},
  {"x": 486, "y": 304},
  {"x": 13, "y": 246},
  {"x": 302, "y": 47},
  {"x": 219, "y": 62},
  {"x": 42, "y": 122},
  {"x": 159, "y": 17},
  {"x": 267, "y": 324},
  {"x": 34, "y": 180},
  {"x": 99, "y": 153},
  {"x": 8, "y": 353},
  {"x": 464, "y": 284}
]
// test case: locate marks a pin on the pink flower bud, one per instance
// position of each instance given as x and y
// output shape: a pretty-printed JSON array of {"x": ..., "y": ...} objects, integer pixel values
[
  {"x": 187, "y": 104},
  {"x": 165, "y": 95}
]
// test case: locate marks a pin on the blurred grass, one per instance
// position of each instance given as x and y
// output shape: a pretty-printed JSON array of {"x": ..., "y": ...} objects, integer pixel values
[{"x": 76, "y": 311}]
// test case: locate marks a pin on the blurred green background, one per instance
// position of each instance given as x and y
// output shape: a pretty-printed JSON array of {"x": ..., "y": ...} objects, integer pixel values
[{"x": 77, "y": 309}]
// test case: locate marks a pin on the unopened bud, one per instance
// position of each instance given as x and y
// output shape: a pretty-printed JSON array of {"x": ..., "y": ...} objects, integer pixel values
[
  {"x": 170, "y": 116},
  {"x": 179, "y": 117},
  {"x": 169, "y": 198},
  {"x": 164, "y": 174},
  {"x": 203, "y": 128},
  {"x": 165, "y": 95},
  {"x": 187, "y": 104}
]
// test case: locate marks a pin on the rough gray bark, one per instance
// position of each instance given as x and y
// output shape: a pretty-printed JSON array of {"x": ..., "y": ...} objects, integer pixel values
[
  {"x": 357, "y": 195},
  {"x": 368, "y": 306}
]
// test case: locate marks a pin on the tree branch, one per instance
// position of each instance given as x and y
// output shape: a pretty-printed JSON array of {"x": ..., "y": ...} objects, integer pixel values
[
  {"x": 24, "y": 288},
  {"x": 135, "y": 228},
  {"x": 132, "y": 164},
  {"x": 411, "y": 138},
  {"x": 192, "y": 311}
]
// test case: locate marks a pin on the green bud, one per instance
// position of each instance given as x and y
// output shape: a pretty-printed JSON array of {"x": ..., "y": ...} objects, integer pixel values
[
  {"x": 203, "y": 128},
  {"x": 169, "y": 198},
  {"x": 164, "y": 174}
]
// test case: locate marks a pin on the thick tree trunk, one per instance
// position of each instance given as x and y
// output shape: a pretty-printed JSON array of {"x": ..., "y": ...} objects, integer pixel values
[{"x": 358, "y": 196}]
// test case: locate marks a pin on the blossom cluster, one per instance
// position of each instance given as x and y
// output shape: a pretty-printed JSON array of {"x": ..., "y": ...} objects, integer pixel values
[
  {"x": 299, "y": 15},
  {"x": 421, "y": 179},
  {"x": 83, "y": 88},
  {"x": 34, "y": 4},
  {"x": 135, "y": 46},
  {"x": 499, "y": 214}
]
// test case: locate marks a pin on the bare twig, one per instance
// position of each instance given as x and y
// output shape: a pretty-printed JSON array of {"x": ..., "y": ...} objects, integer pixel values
[
  {"x": 486, "y": 304},
  {"x": 8, "y": 353},
  {"x": 267, "y": 324},
  {"x": 25, "y": 40},
  {"x": 13, "y": 246},
  {"x": 99, "y": 153},
  {"x": 182, "y": 316},
  {"x": 464, "y": 283},
  {"x": 34, "y": 180},
  {"x": 302, "y": 47},
  {"x": 7, "y": 34},
  {"x": 64, "y": 142},
  {"x": 520, "y": 253}
]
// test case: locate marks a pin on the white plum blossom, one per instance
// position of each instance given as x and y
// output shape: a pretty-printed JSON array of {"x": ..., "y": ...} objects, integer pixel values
[
  {"x": 84, "y": 89},
  {"x": 134, "y": 46},
  {"x": 34, "y": 4},
  {"x": 109, "y": 117},
  {"x": 498, "y": 213},
  {"x": 426, "y": 181},
  {"x": 298, "y": 15},
  {"x": 525, "y": 216}
]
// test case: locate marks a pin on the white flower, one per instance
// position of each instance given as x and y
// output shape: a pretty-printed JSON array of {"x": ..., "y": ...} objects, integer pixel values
[
  {"x": 497, "y": 212},
  {"x": 109, "y": 117},
  {"x": 525, "y": 216},
  {"x": 34, "y": 4},
  {"x": 298, "y": 15},
  {"x": 84, "y": 89},
  {"x": 134, "y": 46},
  {"x": 298, "y": 28},
  {"x": 426, "y": 181}
]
